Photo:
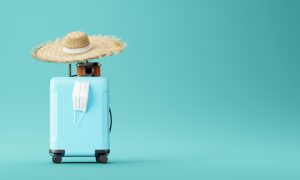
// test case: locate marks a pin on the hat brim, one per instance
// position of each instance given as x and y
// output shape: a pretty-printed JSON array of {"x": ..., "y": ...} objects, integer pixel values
[{"x": 101, "y": 46}]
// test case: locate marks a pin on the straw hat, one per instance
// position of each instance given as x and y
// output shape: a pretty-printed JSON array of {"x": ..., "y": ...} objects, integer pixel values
[{"x": 78, "y": 47}]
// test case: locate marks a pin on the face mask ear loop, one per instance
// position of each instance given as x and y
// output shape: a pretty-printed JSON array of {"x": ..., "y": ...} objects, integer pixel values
[{"x": 74, "y": 118}]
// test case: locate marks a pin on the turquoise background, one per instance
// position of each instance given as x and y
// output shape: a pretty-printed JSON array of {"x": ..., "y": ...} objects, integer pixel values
[{"x": 205, "y": 90}]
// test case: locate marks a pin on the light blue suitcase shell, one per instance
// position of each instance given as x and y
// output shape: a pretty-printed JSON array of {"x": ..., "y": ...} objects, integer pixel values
[{"x": 92, "y": 134}]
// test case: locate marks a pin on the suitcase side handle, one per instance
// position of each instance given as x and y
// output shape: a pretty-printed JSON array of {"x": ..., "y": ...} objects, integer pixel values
[{"x": 110, "y": 114}]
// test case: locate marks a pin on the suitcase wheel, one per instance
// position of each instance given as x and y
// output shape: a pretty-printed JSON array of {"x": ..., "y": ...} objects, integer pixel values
[
  {"x": 101, "y": 159},
  {"x": 56, "y": 159}
]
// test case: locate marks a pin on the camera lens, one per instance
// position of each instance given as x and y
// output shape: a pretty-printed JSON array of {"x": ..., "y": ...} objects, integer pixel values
[{"x": 88, "y": 71}]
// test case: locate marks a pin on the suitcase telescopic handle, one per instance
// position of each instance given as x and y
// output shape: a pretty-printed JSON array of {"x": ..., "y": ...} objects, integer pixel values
[{"x": 110, "y": 114}]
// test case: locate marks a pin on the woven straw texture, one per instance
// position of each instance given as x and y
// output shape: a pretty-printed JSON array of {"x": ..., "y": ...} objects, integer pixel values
[{"x": 101, "y": 46}]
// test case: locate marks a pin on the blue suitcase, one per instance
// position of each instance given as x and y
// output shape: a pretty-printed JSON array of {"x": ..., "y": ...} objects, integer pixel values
[{"x": 89, "y": 136}]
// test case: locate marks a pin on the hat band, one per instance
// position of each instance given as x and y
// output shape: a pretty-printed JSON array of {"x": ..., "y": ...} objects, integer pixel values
[{"x": 77, "y": 51}]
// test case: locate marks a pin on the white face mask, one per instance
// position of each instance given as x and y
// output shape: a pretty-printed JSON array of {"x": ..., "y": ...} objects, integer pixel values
[{"x": 80, "y": 98}]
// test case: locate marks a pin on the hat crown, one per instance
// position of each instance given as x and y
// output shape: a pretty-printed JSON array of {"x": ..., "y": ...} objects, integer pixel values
[{"x": 76, "y": 40}]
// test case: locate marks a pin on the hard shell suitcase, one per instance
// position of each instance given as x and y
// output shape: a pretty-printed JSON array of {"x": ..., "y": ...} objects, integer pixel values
[{"x": 90, "y": 135}]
